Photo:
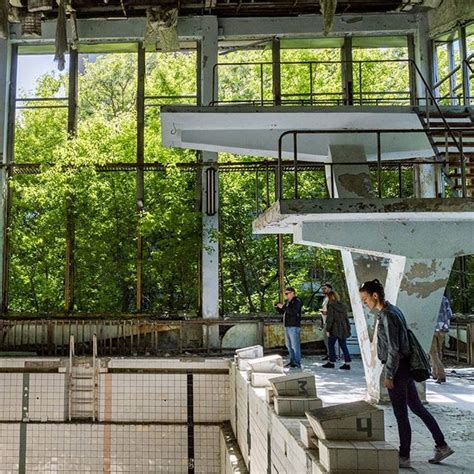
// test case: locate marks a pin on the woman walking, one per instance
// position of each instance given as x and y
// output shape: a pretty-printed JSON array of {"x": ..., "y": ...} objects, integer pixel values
[
  {"x": 393, "y": 350},
  {"x": 338, "y": 329}
]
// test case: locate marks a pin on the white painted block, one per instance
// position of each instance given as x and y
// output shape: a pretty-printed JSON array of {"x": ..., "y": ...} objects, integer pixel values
[
  {"x": 252, "y": 352},
  {"x": 296, "y": 406},
  {"x": 302, "y": 384},
  {"x": 268, "y": 364},
  {"x": 358, "y": 421},
  {"x": 260, "y": 379}
]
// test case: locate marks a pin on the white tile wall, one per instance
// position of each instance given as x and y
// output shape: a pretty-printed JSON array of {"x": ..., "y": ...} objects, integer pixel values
[
  {"x": 211, "y": 398},
  {"x": 11, "y": 386},
  {"x": 117, "y": 448},
  {"x": 62, "y": 448},
  {"x": 207, "y": 449},
  {"x": 145, "y": 398},
  {"x": 9, "y": 446},
  {"x": 47, "y": 400},
  {"x": 149, "y": 449}
]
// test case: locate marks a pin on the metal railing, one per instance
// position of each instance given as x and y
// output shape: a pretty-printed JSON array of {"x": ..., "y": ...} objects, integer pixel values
[
  {"x": 357, "y": 94},
  {"x": 354, "y": 96},
  {"x": 136, "y": 336},
  {"x": 378, "y": 166}
]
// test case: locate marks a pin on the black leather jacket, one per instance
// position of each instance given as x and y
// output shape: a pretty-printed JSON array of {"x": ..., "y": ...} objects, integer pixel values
[
  {"x": 292, "y": 312},
  {"x": 392, "y": 338}
]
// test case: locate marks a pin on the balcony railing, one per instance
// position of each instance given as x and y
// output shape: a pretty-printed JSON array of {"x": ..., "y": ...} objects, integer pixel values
[
  {"x": 379, "y": 170},
  {"x": 359, "y": 91},
  {"x": 258, "y": 89}
]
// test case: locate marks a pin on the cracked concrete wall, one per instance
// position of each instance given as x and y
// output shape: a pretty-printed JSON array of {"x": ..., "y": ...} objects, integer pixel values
[{"x": 448, "y": 15}]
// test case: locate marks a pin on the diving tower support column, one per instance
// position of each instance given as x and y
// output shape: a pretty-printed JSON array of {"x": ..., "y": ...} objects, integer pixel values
[
  {"x": 412, "y": 258},
  {"x": 209, "y": 288}
]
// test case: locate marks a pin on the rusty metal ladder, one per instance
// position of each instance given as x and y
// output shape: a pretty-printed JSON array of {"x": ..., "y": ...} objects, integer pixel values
[{"x": 83, "y": 384}]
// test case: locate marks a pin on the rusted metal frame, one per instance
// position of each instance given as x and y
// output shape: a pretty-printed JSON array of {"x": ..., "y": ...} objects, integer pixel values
[
  {"x": 464, "y": 64},
  {"x": 276, "y": 89},
  {"x": 140, "y": 183},
  {"x": 276, "y": 71},
  {"x": 257, "y": 194},
  {"x": 400, "y": 189},
  {"x": 463, "y": 168},
  {"x": 452, "y": 66},
  {"x": 9, "y": 158},
  {"x": 70, "y": 217},
  {"x": 267, "y": 183},
  {"x": 295, "y": 163},
  {"x": 331, "y": 167},
  {"x": 379, "y": 164},
  {"x": 347, "y": 69},
  {"x": 411, "y": 70},
  {"x": 470, "y": 343}
]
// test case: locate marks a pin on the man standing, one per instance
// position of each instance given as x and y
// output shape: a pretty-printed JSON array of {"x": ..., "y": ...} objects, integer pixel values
[
  {"x": 436, "y": 351},
  {"x": 291, "y": 311},
  {"x": 326, "y": 289}
]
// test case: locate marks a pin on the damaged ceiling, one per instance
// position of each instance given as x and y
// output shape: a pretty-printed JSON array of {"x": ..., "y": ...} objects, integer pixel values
[{"x": 220, "y": 8}]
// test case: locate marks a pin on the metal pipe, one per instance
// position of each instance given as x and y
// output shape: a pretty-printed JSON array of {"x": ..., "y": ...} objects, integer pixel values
[
  {"x": 140, "y": 181},
  {"x": 295, "y": 163},
  {"x": 379, "y": 164}
]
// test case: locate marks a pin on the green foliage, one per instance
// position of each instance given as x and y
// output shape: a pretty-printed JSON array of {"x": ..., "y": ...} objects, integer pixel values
[{"x": 103, "y": 205}]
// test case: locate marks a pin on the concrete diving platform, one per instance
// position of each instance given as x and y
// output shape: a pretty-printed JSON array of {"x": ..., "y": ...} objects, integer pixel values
[{"x": 250, "y": 130}]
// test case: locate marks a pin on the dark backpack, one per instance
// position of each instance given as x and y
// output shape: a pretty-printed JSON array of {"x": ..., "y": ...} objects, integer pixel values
[{"x": 420, "y": 368}]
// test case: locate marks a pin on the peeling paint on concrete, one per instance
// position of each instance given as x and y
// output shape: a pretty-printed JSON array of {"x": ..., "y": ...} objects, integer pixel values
[{"x": 359, "y": 183}]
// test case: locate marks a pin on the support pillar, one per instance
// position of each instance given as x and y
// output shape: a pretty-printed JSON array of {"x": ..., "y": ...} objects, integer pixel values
[
  {"x": 427, "y": 178},
  {"x": 347, "y": 71},
  {"x": 140, "y": 183},
  {"x": 5, "y": 112},
  {"x": 420, "y": 47},
  {"x": 207, "y": 51},
  {"x": 413, "y": 279},
  {"x": 276, "y": 89},
  {"x": 350, "y": 181}
]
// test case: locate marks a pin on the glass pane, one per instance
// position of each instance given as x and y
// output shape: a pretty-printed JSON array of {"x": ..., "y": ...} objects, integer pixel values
[
  {"x": 107, "y": 106},
  {"x": 41, "y": 99}
]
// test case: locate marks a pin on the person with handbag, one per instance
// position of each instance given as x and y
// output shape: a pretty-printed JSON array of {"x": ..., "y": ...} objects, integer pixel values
[
  {"x": 437, "y": 344},
  {"x": 394, "y": 351},
  {"x": 338, "y": 329}
]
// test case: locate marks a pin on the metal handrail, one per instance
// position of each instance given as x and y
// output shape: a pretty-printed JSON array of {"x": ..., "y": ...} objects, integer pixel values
[
  {"x": 380, "y": 165},
  {"x": 429, "y": 99},
  {"x": 71, "y": 363},
  {"x": 310, "y": 64},
  {"x": 95, "y": 375}
]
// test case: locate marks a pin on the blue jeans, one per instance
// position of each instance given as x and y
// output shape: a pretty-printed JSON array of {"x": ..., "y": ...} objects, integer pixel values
[
  {"x": 342, "y": 344},
  {"x": 404, "y": 395},
  {"x": 293, "y": 344}
]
